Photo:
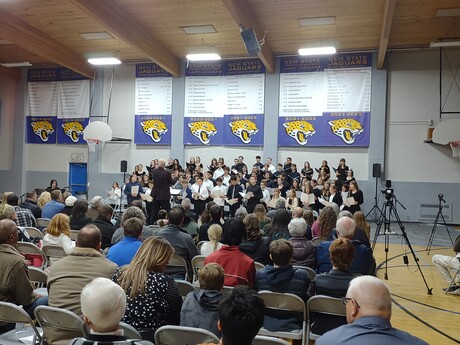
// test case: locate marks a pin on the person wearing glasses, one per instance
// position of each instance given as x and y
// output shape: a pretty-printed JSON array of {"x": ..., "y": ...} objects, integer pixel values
[{"x": 368, "y": 307}]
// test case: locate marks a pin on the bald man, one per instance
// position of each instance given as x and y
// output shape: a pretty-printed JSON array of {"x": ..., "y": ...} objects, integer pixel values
[
  {"x": 368, "y": 303},
  {"x": 70, "y": 274}
]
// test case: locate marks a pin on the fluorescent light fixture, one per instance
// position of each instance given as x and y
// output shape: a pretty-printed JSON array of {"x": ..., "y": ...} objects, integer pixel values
[
  {"x": 203, "y": 57},
  {"x": 316, "y": 21},
  {"x": 317, "y": 51},
  {"x": 442, "y": 44},
  {"x": 104, "y": 61},
  {"x": 16, "y": 64},
  {"x": 93, "y": 36},
  {"x": 4, "y": 42},
  {"x": 448, "y": 12},
  {"x": 199, "y": 29}
]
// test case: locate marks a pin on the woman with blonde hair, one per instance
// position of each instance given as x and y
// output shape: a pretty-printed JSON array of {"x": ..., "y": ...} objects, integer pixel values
[
  {"x": 153, "y": 299},
  {"x": 214, "y": 235},
  {"x": 43, "y": 199},
  {"x": 5, "y": 196},
  {"x": 58, "y": 234},
  {"x": 360, "y": 220}
]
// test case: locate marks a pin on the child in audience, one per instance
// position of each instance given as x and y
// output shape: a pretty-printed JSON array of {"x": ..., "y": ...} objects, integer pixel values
[{"x": 215, "y": 235}]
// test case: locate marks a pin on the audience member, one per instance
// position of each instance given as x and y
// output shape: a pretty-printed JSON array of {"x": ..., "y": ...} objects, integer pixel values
[
  {"x": 214, "y": 235},
  {"x": 153, "y": 299},
  {"x": 43, "y": 199},
  {"x": 239, "y": 268},
  {"x": 216, "y": 215},
  {"x": 132, "y": 212},
  {"x": 7, "y": 212},
  {"x": 278, "y": 228},
  {"x": 24, "y": 216},
  {"x": 68, "y": 205},
  {"x": 200, "y": 307},
  {"x": 254, "y": 244},
  {"x": 123, "y": 252},
  {"x": 103, "y": 222},
  {"x": 31, "y": 204},
  {"x": 93, "y": 207},
  {"x": 304, "y": 253},
  {"x": 368, "y": 303},
  {"x": 58, "y": 234},
  {"x": 103, "y": 304},
  {"x": 261, "y": 214},
  {"x": 324, "y": 225},
  {"x": 447, "y": 264},
  {"x": 280, "y": 204},
  {"x": 54, "y": 206},
  {"x": 361, "y": 223},
  {"x": 78, "y": 219}
]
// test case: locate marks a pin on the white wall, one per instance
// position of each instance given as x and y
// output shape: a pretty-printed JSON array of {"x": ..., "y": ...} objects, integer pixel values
[{"x": 413, "y": 101}]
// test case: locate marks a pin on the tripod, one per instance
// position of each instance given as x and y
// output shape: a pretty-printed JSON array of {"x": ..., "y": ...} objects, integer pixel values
[
  {"x": 436, "y": 222},
  {"x": 385, "y": 221},
  {"x": 121, "y": 196},
  {"x": 376, "y": 205}
]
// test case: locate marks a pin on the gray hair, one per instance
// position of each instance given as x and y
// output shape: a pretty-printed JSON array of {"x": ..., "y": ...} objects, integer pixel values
[
  {"x": 95, "y": 202},
  {"x": 345, "y": 214},
  {"x": 297, "y": 227},
  {"x": 161, "y": 162},
  {"x": 103, "y": 302},
  {"x": 281, "y": 202},
  {"x": 241, "y": 213},
  {"x": 133, "y": 212},
  {"x": 335, "y": 207},
  {"x": 346, "y": 227},
  {"x": 186, "y": 204}
]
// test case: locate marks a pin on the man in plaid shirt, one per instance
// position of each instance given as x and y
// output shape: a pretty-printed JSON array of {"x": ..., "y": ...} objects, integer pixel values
[{"x": 24, "y": 217}]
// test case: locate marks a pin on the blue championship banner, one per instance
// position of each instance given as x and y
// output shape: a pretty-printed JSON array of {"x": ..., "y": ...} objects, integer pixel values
[
  {"x": 70, "y": 131},
  {"x": 41, "y": 130},
  {"x": 152, "y": 129}
]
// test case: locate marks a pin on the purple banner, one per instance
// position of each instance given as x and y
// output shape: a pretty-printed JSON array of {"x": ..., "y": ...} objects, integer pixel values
[
  {"x": 298, "y": 64},
  {"x": 244, "y": 130},
  {"x": 204, "y": 69},
  {"x": 331, "y": 129},
  {"x": 150, "y": 70},
  {"x": 53, "y": 74},
  {"x": 70, "y": 131},
  {"x": 152, "y": 129},
  {"x": 203, "y": 131},
  {"x": 246, "y": 66},
  {"x": 41, "y": 130}
]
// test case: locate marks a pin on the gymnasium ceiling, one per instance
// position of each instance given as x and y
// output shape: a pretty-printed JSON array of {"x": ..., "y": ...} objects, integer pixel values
[{"x": 48, "y": 32}]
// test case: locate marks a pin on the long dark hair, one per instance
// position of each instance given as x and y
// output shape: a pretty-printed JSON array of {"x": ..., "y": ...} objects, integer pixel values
[{"x": 280, "y": 222}]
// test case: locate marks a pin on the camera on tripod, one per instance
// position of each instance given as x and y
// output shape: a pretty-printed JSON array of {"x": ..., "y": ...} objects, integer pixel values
[{"x": 388, "y": 191}]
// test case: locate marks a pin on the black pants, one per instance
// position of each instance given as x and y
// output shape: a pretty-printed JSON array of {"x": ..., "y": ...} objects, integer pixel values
[{"x": 158, "y": 205}]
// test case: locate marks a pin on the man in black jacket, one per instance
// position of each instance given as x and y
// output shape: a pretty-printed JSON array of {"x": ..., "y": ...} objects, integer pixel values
[
  {"x": 31, "y": 204},
  {"x": 103, "y": 222},
  {"x": 160, "y": 193}
]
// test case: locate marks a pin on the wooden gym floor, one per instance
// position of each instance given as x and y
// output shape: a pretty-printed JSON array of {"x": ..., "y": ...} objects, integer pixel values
[{"x": 434, "y": 318}]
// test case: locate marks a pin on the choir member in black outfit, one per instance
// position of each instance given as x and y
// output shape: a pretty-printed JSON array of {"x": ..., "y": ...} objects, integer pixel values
[
  {"x": 233, "y": 192},
  {"x": 356, "y": 194},
  {"x": 256, "y": 191}
]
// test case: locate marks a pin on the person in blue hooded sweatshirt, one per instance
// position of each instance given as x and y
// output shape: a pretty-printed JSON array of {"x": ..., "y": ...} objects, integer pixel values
[
  {"x": 200, "y": 307},
  {"x": 282, "y": 277}
]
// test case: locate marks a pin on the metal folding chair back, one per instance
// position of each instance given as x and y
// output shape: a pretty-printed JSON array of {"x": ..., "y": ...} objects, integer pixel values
[
  {"x": 54, "y": 252},
  {"x": 32, "y": 249},
  {"x": 38, "y": 277},
  {"x": 73, "y": 235},
  {"x": 285, "y": 302},
  {"x": 178, "y": 335},
  {"x": 184, "y": 287},
  {"x": 262, "y": 340},
  {"x": 311, "y": 272},
  {"x": 258, "y": 265},
  {"x": 59, "y": 325},
  {"x": 11, "y": 313},
  {"x": 179, "y": 261},
  {"x": 200, "y": 244},
  {"x": 323, "y": 305},
  {"x": 454, "y": 277},
  {"x": 33, "y": 232},
  {"x": 197, "y": 263},
  {"x": 43, "y": 222},
  {"x": 128, "y": 331}
]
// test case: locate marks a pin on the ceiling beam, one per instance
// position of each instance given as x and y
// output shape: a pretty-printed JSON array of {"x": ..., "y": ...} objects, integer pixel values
[
  {"x": 11, "y": 73},
  {"x": 116, "y": 20},
  {"x": 27, "y": 37},
  {"x": 243, "y": 15},
  {"x": 388, "y": 13}
]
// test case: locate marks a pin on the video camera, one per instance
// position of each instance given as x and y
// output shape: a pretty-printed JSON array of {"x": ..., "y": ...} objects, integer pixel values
[{"x": 388, "y": 191}]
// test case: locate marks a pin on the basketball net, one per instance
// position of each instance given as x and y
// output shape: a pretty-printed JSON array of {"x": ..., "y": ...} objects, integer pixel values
[
  {"x": 92, "y": 144},
  {"x": 455, "y": 146}
]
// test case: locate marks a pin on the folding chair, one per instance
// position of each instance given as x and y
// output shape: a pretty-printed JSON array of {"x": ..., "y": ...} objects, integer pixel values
[
  {"x": 33, "y": 232},
  {"x": 453, "y": 278},
  {"x": 258, "y": 265},
  {"x": 226, "y": 290},
  {"x": 54, "y": 252},
  {"x": 178, "y": 335},
  {"x": 43, "y": 222},
  {"x": 59, "y": 325},
  {"x": 197, "y": 263},
  {"x": 39, "y": 278},
  {"x": 323, "y": 305},
  {"x": 261, "y": 340},
  {"x": 31, "y": 249},
  {"x": 289, "y": 303},
  {"x": 184, "y": 287},
  {"x": 73, "y": 235},
  {"x": 311, "y": 272},
  {"x": 11, "y": 313},
  {"x": 179, "y": 262},
  {"x": 200, "y": 244},
  {"x": 128, "y": 331}
]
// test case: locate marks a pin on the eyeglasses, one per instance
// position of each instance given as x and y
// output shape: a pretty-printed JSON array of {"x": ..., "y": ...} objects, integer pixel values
[{"x": 346, "y": 299}]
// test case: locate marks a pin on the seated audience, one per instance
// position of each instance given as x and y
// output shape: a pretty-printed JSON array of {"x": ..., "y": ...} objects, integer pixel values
[
  {"x": 7, "y": 212},
  {"x": 54, "y": 206},
  {"x": 241, "y": 315},
  {"x": 78, "y": 219},
  {"x": 449, "y": 264},
  {"x": 103, "y": 304},
  {"x": 31, "y": 204},
  {"x": 278, "y": 228},
  {"x": 132, "y": 212},
  {"x": 363, "y": 262},
  {"x": 58, "y": 234},
  {"x": 214, "y": 235},
  {"x": 69, "y": 275},
  {"x": 368, "y": 303},
  {"x": 323, "y": 227},
  {"x": 282, "y": 277},
  {"x": 239, "y": 268},
  {"x": 304, "y": 253},
  {"x": 43, "y": 199},
  {"x": 123, "y": 252},
  {"x": 93, "y": 209},
  {"x": 153, "y": 299},
  {"x": 69, "y": 204},
  {"x": 216, "y": 214},
  {"x": 254, "y": 244},
  {"x": 259, "y": 211},
  {"x": 200, "y": 307},
  {"x": 15, "y": 286},
  {"x": 24, "y": 216},
  {"x": 361, "y": 223},
  {"x": 359, "y": 234},
  {"x": 105, "y": 225}
]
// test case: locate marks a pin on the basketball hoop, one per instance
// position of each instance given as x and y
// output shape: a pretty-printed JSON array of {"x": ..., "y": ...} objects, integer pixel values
[
  {"x": 92, "y": 144},
  {"x": 455, "y": 146}
]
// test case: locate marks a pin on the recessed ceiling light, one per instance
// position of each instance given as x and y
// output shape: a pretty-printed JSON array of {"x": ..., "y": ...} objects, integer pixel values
[
  {"x": 16, "y": 64},
  {"x": 199, "y": 29},
  {"x": 317, "y": 51},
  {"x": 93, "y": 36},
  {"x": 104, "y": 61},
  {"x": 448, "y": 12},
  {"x": 203, "y": 57},
  {"x": 316, "y": 21}
]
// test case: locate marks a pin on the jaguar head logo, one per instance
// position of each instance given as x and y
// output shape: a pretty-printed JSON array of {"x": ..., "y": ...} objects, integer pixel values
[
  {"x": 154, "y": 129},
  {"x": 244, "y": 130},
  {"x": 347, "y": 129},
  {"x": 73, "y": 130},
  {"x": 203, "y": 130},
  {"x": 300, "y": 131},
  {"x": 43, "y": 129}
]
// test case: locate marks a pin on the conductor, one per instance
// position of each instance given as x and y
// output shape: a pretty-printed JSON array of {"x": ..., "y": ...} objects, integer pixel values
[{"x": 160, "y": 193}]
